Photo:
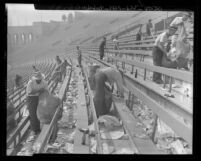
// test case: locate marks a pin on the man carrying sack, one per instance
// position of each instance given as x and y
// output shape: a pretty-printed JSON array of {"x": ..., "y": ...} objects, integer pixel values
[{"x": 35, "y": 86}]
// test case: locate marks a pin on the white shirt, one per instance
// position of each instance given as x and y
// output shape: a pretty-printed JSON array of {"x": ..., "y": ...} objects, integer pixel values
[
  {"x": 162, "y": 39},
  {"x": 32, "y": 85}
]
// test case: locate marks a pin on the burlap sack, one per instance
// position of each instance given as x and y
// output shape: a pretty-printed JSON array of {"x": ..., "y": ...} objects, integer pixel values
[
  {"x": 92, "y": 71},
  {"x": 47, "y": 106}
]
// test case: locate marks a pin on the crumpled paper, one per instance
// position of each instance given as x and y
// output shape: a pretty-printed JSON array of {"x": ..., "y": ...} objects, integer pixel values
[
  {"x": 177, "y": 147},
  {"x": 107, "y": 149}
]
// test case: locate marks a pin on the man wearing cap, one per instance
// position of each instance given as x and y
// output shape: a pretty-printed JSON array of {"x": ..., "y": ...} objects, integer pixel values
[
  {"x": 159, "y": 52},
  {"x": 58, "y": 60},
  {"x": 102, "y": 47},
  {"x": 179, "y": 22},
  {"x": 35, "y": 86}
]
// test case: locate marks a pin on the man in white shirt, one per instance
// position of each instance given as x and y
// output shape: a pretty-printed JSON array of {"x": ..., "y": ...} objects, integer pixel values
[
  {"x": 179, "y": 22},
  {"x": 159, "y": 52},
  {"x": 35, "y": 86}
]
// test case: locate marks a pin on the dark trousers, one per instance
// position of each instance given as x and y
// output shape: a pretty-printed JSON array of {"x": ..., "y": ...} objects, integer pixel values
[
  {"x": 183, "y": 63},
  {"x": 99, "y": 95},
  {"x": 80, "y": 61},
  {"x": 157, "y": 61},
  {"x": 32, "y": 103},
  {"x": 168, "y": 64},
  {"x": 101, "y": 54}
]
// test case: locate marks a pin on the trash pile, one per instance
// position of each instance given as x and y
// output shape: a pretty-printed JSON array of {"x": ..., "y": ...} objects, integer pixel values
[
  {"x": 110, "y": 129},
  {"x": 165, "y": 138}
]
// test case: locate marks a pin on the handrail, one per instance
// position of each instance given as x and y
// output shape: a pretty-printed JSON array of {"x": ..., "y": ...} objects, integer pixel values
[
  {"x": 182, "y": 75},
  {"x": 179, "y": 74}
]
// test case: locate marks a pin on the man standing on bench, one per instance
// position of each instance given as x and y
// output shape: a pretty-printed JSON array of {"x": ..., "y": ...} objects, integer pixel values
[
  {"x": 35, "y": 86},
  {"x": 159, "y": 52},
  {"x": 149, "y": 25},
  {"x": 102, "y": 47},
  {"x": 79, "y": 58}
]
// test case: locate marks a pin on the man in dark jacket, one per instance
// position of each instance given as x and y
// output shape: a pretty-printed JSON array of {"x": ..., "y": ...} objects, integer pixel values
[
  {"x": 139, "y": 34},
  {"x": 102, "y": 47},
  {"x": 18, "y": 81},
  {"x": 148, "y": 28}
]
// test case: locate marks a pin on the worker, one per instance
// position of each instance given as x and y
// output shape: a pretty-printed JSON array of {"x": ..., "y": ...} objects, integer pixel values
[
  {"x": 102, "y": 48},
  {"x": 159, "y": 53},
  {"x": 102, "y": 76},
  {"x": 35, "y": 86}
]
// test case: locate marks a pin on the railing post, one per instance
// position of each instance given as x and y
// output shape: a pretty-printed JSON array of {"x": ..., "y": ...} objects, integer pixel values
[
  {"x": 171, "y": 80},
  {"x": 155, "y": 128},
  {"x": 129, "y": 99},
  {"x": 132, "y": 69},
  {"x": 164, "y": 83},
  {"x": 132, "y": 102},
  {"x": 20, "y": 94},
  {"x": 145, "y": 74},
  {"x": 136, "y": 74}
]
